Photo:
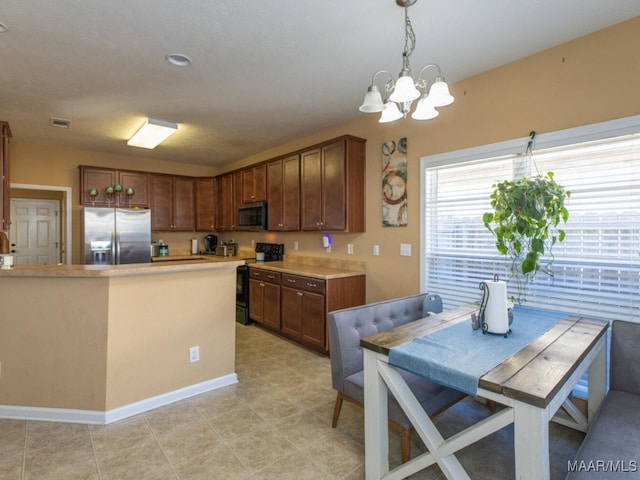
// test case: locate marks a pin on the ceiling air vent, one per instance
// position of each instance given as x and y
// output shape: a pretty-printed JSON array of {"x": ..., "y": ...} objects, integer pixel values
[{"x": 59, "y": 122}]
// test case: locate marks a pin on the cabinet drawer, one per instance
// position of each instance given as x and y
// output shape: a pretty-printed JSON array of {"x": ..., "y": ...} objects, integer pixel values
[
  {"x": 264, "y": 275},
  {"x": 303, "y": 283}
]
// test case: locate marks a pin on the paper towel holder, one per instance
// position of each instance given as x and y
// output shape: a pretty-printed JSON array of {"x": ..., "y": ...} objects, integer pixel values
[{"x": 492, "y": 325}]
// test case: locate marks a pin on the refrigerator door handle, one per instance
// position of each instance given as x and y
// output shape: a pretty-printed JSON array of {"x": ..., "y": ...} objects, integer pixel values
[{"x": 115, "y": 247}]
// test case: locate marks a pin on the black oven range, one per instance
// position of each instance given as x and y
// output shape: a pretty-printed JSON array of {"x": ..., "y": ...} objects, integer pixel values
[{"x": 267, "y": 252}]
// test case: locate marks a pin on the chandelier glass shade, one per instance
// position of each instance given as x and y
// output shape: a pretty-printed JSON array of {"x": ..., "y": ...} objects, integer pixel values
[{"x": 401, "y": 92}]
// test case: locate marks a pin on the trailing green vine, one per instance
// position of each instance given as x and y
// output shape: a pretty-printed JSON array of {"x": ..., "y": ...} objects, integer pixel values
[{"x": 525, "y": 219}]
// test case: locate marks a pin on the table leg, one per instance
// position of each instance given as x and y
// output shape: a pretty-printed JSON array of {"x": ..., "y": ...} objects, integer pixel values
[
  {"x": 531, "y": 442},
  {"x": 597, "y": 381},
  {"x": 376, "y": 430}
]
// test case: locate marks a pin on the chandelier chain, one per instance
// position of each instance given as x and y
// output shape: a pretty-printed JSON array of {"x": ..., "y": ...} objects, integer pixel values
[{"x": 409, "y": 39}]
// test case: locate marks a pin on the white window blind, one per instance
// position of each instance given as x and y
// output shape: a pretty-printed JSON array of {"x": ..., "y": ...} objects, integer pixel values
[{"x": 596, "y": 270}]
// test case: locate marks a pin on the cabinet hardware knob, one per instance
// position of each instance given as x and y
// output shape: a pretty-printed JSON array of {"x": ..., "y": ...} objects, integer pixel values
[
  {"x": 311, "y": 284},
  {"x": 271, "y": 276},
  {"x": 300, "y": 294},
  {"x": 261, "y": 284}
]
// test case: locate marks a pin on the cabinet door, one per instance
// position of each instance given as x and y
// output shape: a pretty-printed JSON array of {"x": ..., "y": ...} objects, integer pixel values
[
  {"x": 256, "y": 300},
  {"x": 283, "y": 194},
  {"x": 161, "y": 202},
  {"x": 5, "y": 183},
  {"x": 237, "y": 199},
  {"x": 291, "y": 193},
  {"x": 224, "y": 198},
  {"x": 254, "y": 184},
  {"x": 334, "y": 186},
  {"x": 292, "y": 312},
  {"x": 140, "y": 183},
  {"x": 275, "y": 195},
  {"x": 205, "y": 211},
  {"x": 313, "y": 319},
  {"x": 271, "y": 299},
  {"x": 100, "y": 179},
  {"x": 311, "y": 190},
  {"x": 183, "y": 204}
]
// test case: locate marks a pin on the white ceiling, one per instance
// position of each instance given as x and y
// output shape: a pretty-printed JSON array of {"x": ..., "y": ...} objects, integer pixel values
[{"x": 264, "y": 72}]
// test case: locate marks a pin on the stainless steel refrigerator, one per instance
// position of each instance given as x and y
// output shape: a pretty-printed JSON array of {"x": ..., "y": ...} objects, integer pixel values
[{"x": 114, "y": 236}]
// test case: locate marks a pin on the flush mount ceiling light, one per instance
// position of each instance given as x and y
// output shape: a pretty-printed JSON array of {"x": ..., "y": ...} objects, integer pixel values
[
  {"x": 152, "y": 133},
  {"x": 401, "y": 93},
  {"x": 178, "y": 59}
]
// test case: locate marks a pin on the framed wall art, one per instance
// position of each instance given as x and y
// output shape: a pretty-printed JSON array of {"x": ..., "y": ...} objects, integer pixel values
[{"x": 394, "y": 183}]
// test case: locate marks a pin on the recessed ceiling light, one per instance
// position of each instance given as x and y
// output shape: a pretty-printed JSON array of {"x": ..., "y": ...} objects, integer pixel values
[
  {"x": 3, "y": 27},
  {"x": 178, "y": 59}
]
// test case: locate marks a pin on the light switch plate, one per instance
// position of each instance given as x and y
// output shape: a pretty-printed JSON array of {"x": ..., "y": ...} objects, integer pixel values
[
  {"x": 405, "y": 249},
  {"x": 376, "y": 250}
]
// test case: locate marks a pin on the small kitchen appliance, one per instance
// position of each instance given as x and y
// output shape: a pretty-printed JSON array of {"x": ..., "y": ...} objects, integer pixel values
[
  {"x": 494, "y": 308},
  {"x": 270, "y": 252},
  {"x": 252, "y": 216},
  {"x": 210, "y": 243}
]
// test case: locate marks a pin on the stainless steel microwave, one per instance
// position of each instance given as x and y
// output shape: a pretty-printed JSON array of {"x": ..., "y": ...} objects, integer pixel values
[{"x": 252, "y": 216}]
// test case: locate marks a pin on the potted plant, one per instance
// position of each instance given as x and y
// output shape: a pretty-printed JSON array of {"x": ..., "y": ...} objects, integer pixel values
[{"x": 525, "y": 219}]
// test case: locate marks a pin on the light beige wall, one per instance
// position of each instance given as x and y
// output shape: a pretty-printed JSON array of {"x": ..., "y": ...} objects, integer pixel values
[
  {"x": 53, "y": 342},
  {"x": 155, "y": 319},
  {"x": 102, "y": 343},
  {"x": 589, "y": 80}
]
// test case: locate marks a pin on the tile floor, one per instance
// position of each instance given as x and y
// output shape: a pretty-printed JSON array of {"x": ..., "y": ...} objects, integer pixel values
[{"x": 274, "y": 424}]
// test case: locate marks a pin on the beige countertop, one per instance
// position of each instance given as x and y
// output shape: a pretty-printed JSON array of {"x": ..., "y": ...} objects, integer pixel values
[
  {"x": 101, "y": 271},
  {"x": 310, "y": 267}
]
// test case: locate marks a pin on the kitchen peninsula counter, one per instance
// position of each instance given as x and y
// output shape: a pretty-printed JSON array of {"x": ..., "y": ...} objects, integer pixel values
[
  {"x": 181, "y": 264},
  {"x": 94, "y": 344}
]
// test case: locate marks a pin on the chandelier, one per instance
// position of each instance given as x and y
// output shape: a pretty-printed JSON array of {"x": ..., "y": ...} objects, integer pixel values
[{"x": 401, "y": 93}]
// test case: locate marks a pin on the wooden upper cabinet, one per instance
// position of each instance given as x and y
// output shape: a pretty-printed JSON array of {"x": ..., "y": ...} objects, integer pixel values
[
  {"x": 172, "y": 203},
  {"x": 100, "y": 178},
  {"x": 254, "y": 184},
  {"x": 224, "y": 203},
  {"x": 237, "y": 199},
  {"x": 332, "y": 187},
  {"x": 283, "y": 194},
  {"x": 184, "y": 204},
  {"x": 205, "y": 204},
  {"x": 5, "y": 181},
  {"x": 139, "y": 182}
]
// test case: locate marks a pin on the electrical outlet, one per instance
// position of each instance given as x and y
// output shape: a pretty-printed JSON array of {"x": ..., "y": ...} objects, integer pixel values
[
  {"x": 0, "y": 369},
  {"x": 295, "y": 245},
  {"x": 194, "y": 354},
  {"x": 376, "y": 250},
  {"x": 405, "y": 249},
  {"x": 253, "y": 243},
  {"x": 350, "y": 248}
]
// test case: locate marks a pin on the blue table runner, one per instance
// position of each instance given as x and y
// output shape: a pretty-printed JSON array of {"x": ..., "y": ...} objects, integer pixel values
[{"x": 457, "y": 356}]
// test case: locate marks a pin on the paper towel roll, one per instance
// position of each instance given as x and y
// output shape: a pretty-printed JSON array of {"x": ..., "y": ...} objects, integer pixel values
[
  {"x": 496, "y": 315},
  {"x": 194, "y": 246}
]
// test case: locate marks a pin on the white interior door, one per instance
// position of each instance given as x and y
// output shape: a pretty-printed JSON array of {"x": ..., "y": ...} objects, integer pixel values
[{"x": 35, "y": 234}]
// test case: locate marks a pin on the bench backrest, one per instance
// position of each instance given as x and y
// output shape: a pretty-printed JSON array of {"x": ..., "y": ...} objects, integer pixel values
[
  {"x": 348, "y": 326},
  {"x": 625, "y": 357}
]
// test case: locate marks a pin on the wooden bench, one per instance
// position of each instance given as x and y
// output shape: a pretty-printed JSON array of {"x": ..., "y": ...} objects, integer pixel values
[{"x": 611, "y": 448}]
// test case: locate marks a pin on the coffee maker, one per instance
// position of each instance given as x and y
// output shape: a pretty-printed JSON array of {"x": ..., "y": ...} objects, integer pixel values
[{"x": 210, "y": 243}]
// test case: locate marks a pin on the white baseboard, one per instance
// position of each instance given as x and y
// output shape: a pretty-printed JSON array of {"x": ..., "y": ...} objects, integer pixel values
[{"x": 96, "y": 417}]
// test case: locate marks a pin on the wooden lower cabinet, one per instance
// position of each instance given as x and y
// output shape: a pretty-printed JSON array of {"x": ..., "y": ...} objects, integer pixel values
[
  {"x": 303, "y": 304},
  {"x": 264, "y": 298}
]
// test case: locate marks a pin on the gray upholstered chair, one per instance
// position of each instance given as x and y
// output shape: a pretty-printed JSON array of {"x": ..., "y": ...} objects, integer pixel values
[
  {"x": 614, "y": 436},
  {"x": 348, "y": 326}
]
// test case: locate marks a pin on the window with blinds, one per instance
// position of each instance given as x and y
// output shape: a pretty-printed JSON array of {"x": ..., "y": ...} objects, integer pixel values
[{"x": 596, "y": 270}]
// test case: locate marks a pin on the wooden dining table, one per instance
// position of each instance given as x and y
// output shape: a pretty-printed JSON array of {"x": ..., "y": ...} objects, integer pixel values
[{"x": 532, "y": 385}]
